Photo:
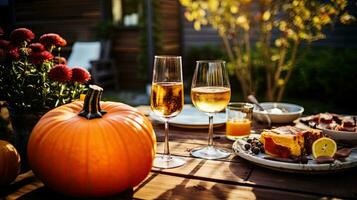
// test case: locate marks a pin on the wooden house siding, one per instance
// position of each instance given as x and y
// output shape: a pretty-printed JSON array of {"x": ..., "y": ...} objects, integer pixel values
[
  {"x": 206, "y": 35},
  {"x": 76, "y": 20},
  {"x": 125, "y": 51},
  {"x": 170, "y": 26},
  {"x": 126, "y": 46}
]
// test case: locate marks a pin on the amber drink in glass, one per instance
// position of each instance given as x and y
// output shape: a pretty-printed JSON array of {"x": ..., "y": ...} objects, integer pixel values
[
  {"x": 239, "y": 120},
  {"x": 167, "y": 101}
]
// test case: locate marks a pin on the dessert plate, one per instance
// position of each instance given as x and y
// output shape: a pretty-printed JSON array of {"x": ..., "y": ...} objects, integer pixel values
[
  {"x": 346, "y": 137},
  {"x": 190, "y": 117},
  {"x": 310, "y": 168},
  {"x": 341, "y": 136}
]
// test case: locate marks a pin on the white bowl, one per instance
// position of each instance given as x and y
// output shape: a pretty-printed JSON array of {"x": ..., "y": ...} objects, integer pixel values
[{"x": 291, "y": 112}]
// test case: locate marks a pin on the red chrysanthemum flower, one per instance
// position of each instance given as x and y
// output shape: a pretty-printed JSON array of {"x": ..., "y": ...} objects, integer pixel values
[
  {"x": 4, "y": 44},
  {"x": 60, "y": 60},
  {"x": 50, "y": 39},
  {"x": 37, "y": 47},
  {"x": 14, "y": 53},
  {"x": 60, "y": 73},
  {"x": 19, "y": 35},
  {"x": 80, "y": 75},
  {"x": 40, "y": 57}
]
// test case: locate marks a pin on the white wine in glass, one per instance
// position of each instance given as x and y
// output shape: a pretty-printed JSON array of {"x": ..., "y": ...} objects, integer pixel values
[
  {"x": 210, "y": 99},
  {"x": 210, "y": 93},
  {"x": 167, "y": 101}
]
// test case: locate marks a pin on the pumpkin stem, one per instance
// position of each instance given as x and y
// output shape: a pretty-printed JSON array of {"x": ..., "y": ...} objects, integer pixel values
[{"x": 91, "y": 106}]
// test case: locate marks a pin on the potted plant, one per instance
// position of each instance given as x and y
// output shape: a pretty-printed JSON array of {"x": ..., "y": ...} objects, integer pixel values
[{"x": 33, "y": 80}]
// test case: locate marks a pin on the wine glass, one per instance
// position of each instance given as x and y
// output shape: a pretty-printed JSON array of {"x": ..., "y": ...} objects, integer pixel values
[
  {"x": 167, "y": 100},
  {"x": 210, "y": 93}
]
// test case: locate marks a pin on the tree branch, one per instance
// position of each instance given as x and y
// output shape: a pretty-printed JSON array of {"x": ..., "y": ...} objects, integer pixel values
[
  {"x": 228, "y": 48},
  {"x": 249, "y": 65},
  {"x": 279, "y": 69},
  {"x": 291, "y": 68}
]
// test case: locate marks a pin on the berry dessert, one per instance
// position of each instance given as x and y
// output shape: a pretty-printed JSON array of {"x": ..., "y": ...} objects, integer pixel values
[{"x": 331, "y": 121}]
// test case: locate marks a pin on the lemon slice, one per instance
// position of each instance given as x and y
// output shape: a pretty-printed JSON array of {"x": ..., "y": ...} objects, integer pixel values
[{"x": 324, "y": 147}]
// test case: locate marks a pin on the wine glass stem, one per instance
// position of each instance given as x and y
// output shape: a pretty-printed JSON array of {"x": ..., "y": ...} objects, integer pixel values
[
  {"x": 167, "y": 147},
  {"x": 210, "y": 131}
]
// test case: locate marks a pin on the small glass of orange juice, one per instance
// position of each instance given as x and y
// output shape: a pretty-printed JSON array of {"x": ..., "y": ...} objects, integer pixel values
[{"x": 239, "y": 120}]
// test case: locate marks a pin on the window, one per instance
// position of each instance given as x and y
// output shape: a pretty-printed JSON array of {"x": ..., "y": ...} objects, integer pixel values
[{"x": 126, "y": 12}]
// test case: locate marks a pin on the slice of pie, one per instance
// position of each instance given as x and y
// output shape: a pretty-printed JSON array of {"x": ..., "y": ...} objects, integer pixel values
[{"x": 289, "y": 141}]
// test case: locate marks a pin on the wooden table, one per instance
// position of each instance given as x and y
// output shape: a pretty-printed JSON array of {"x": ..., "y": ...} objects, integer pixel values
[{"x": 231, "y": 178}]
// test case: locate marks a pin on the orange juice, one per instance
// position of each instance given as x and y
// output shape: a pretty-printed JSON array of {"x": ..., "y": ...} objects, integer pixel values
[
  {"x": 238, "y": 128},
  {"x": 82, "y": 97}
]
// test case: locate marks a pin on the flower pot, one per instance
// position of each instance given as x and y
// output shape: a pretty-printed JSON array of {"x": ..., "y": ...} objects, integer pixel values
[{"x": 22, "y": 123}]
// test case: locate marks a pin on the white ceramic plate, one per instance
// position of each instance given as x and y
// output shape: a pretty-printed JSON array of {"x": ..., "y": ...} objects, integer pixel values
[
  {"x": 310, "y": 167},
  {"x": 341, "y": 136},
  {"x": 292, "y": 112},
  {"x": 190, "y": 117}
]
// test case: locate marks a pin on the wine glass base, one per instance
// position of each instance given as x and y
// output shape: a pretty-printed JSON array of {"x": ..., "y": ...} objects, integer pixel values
[
  {"x": 167, "y": 162},
  {"x": 209, "y": 152},
  {"x": 234, "y": 138}
]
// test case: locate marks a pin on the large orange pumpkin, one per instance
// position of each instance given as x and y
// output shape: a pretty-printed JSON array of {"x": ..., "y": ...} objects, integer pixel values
[
  {"x": 80, "y": 150},
  {"x": 9, "y": 163}
]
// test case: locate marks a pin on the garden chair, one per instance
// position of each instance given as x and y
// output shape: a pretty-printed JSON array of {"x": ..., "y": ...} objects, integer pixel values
[{"x": 95, "y": 57}]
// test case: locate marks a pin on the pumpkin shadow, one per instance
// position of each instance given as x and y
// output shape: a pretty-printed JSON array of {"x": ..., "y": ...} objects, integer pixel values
[{"x": 45, "y": 193}]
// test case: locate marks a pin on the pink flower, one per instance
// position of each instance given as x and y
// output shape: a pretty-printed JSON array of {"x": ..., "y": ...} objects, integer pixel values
[
  {"x": 4, "y": 44},
  {"x": 37, "y": 47},
  {"x": 50, "y": 39},
  {"x": 40, "y": 57},
  {"x": 19, "y": 35},
  {"x": 14, "y": 53},
  {"x": 60, "y": 73},
  {"x": 60, "y": 60},
  {"x": 80, "y": 75}
]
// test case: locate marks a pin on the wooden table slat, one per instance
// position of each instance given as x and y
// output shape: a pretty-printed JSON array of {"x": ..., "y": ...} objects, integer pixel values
[
  {"x": 172, "y": 187},
  {"x": 211, "y": 170}
]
